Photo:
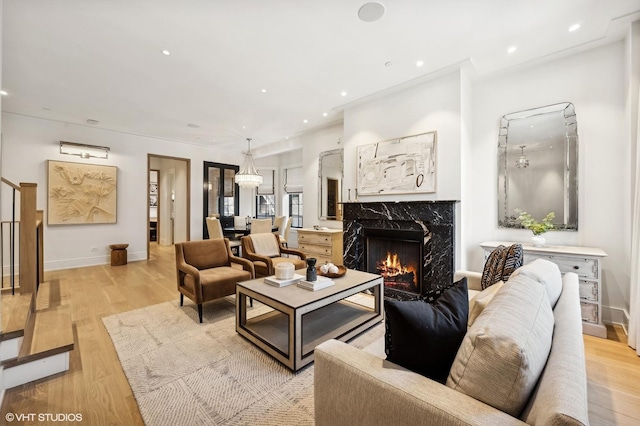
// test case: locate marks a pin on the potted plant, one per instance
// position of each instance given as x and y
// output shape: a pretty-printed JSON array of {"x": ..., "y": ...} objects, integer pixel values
[{"x": 538, "y": 228}]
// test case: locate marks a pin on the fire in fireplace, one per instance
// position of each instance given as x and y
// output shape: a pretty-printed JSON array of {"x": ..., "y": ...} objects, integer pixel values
[
  {"x": 396, "y": 275},
  {"x": 396, "y": 255}
]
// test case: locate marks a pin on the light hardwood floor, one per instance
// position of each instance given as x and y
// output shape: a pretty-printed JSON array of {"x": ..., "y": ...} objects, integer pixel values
[{"x": 96, "y": 387}]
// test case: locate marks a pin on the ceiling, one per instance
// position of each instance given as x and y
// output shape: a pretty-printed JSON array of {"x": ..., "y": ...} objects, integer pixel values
[{"x": 79, "y": 60}]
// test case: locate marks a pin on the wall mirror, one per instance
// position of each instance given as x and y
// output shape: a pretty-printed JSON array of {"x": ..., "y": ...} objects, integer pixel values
[
  {"x": 330, "y": 176},
  {"x": 538, "y": 165}
]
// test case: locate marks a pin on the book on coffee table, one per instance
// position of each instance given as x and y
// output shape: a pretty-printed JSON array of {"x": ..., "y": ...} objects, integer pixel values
[
  {"x": 320, "y": 283},
  {"x": 272, "y": 280}
]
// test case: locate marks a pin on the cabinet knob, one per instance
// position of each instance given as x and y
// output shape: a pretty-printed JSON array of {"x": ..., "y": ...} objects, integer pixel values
[{"x": 576, "y": 267}]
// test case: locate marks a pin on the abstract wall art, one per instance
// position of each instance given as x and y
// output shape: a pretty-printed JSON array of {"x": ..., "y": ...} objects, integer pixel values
[
  {"x": 398, "y": 166},
  {"x": 81, "y": 193}
]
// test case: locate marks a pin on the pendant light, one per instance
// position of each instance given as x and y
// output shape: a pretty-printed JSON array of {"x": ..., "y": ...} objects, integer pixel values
[
  {"x": 248, "y": 176},
  {"x": 522, "y": 161}
]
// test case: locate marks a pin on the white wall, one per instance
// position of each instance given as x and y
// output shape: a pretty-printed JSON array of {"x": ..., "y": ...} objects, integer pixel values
[
  {"x": 594, "y": 82},
  {"x": 433, "y": 106},
  {"x": 30, "y": 142}
]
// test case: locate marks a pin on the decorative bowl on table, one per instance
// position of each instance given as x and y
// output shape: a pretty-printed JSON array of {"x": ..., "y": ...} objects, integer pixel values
[{"x": 329, "y": 274}]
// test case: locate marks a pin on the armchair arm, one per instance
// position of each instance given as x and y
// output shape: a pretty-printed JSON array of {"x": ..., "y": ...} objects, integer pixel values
[
  {"x": 294, "y": 252},
  {"x": 185, "y": 268},
  {"x": 373, "y": 391},
  {"x": 246, "y": 264}
]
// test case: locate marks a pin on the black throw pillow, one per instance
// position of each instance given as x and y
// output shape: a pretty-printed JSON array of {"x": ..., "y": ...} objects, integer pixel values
[{"x": 424, "y": 337}]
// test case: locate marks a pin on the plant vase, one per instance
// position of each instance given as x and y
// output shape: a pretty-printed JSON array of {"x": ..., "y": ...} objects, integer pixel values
[{"x": 538, "y": 240}]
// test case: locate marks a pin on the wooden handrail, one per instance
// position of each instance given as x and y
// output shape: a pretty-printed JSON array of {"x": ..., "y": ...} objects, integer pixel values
[{"x": 11, "y": 184}]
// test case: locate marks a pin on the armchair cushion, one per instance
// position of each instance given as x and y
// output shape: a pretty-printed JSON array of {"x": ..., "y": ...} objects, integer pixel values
[
  {"x": 206, "y": 254},
  {"x": 265, "y": 244},
  {"x": 218, "y": 282},
  {"x": 425, "y": 337}
]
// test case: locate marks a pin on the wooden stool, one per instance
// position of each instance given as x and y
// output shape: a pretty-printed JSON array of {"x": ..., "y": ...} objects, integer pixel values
[{"x": 118, "y": 254}]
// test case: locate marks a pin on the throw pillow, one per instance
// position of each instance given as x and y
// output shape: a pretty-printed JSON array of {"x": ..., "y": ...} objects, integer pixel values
[
  {"x": 425, "y": 337},
  {"x": 505, "y": 350},
  {"x": 481, "y": 300},
  {"x": 501, "y": 263}
]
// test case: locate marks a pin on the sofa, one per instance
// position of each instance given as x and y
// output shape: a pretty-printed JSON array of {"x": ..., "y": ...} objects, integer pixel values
[{"x": 530, "y": 333}]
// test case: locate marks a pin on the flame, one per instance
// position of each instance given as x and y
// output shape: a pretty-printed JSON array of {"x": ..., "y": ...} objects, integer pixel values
[{"x": 391, "y": 266}]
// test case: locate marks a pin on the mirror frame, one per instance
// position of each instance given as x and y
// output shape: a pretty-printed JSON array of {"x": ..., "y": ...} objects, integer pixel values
[
  {"x": 568, "y": 218},
  {"x": 322, "y": 156}
]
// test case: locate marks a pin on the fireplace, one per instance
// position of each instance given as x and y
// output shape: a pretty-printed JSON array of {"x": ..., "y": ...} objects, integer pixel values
[
  {"x": 420, "y": 233},
  {"x": 397, "y": 256}
]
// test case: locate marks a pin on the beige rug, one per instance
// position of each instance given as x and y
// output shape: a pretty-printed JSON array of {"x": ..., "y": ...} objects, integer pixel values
[{"x": 186, "y": 373}]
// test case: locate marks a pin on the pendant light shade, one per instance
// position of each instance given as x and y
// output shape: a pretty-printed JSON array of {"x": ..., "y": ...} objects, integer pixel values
[
  {"x": 248, "y": 176},
  {"x": 522, "y": 161}
]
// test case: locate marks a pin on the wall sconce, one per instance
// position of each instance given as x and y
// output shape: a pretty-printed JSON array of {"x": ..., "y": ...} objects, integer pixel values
[{"x": 84, "y": 151}]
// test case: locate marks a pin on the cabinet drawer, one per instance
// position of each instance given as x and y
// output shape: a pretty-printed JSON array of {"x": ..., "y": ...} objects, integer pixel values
[
  {"x": 324, "y": 240},
  {"x": 589, "y": 290},
  {"x": 585, "y": 268},
  {"x": 589, "y": 312},
  {"x": 314, "y": 250},
  {"x": 322, "y": 260}
]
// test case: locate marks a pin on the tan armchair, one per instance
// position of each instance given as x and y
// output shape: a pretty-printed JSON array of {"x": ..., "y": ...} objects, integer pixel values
[
  {"x": 265, "y": 251},
  {"x": 204, "y": 270}
]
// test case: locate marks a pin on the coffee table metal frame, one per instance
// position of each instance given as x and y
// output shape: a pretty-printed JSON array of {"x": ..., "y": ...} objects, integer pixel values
[{"x": 302, "y": 319}]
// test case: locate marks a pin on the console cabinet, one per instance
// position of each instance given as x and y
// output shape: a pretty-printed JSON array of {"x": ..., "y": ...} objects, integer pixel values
[
  {"x": 586, "y": 262},
  {"x": 323, "y": 244}
]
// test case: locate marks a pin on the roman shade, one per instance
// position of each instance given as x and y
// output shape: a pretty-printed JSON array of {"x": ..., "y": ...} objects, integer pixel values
[{"x": 293, "y": 180}]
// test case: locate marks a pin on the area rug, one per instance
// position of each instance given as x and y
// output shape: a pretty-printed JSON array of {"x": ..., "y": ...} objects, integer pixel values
[{"x": 186, "y": 373}]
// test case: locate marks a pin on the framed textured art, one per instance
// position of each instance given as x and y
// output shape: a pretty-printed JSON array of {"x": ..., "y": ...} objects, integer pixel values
[
  {"x": 80, "y": 193},
  {"x": 398, "y": 166}
]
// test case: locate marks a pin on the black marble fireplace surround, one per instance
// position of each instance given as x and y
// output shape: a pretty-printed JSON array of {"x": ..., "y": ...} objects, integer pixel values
[{"x": 434, "y": 219}]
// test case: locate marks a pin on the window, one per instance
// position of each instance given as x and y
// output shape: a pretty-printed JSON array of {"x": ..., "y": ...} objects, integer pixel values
[
  {"x": 266, "y": 199},
  {"x": 295, "y": 210},
  {"x": 265, "y": 206},
  {"x": 293, "y": 187}
]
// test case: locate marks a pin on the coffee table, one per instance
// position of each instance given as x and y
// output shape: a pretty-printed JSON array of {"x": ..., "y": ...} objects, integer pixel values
[{"x": 302, "y": 319}]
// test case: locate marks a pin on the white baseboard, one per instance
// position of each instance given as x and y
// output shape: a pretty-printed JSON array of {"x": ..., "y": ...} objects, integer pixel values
[
  {"x": 32, "y": 371},
  {"x": 57, "y": 265},
  {"x": 618, "y": 316}
]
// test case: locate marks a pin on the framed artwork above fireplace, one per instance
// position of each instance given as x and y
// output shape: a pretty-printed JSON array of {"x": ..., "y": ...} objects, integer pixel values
[{"x": 398, "y": 166}]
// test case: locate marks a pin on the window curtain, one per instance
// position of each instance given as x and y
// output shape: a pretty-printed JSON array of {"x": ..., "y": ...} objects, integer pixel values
[
  {"x": 266, "y": 187},
  {"x": 293, "y": 180},
  {"x": 634, "y": 302}
]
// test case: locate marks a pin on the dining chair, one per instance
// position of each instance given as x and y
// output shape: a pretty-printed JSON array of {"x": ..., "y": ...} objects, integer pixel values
[
  {"x": 215, "y": 231},
  {"x": 261, "y": 226},
  {"x": 284, "y": 233},
  {"x": 279, "y": 221}
]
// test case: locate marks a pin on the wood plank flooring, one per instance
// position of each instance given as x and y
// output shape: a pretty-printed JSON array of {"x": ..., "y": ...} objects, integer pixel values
[{"x": 96, "y": 387}]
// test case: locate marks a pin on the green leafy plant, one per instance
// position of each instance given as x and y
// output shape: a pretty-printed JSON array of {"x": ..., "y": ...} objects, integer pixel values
[{"x": 538, "y": 228}]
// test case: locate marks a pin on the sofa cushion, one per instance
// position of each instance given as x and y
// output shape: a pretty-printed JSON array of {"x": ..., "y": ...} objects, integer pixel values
[
  {"x": 501, "y": 263},
  {"x": 425, "y": 337},
  {"x": 546, "y": 273},
  {"x": 505, "y": 350},
  {"x": 480, "y": 301}
]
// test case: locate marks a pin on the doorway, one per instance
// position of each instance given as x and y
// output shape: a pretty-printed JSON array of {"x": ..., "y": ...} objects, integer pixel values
[{"x": 172, "y": 200}]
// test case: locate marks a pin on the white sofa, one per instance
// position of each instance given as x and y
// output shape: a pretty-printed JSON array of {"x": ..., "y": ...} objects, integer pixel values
[{"x": 358, "y": 388}]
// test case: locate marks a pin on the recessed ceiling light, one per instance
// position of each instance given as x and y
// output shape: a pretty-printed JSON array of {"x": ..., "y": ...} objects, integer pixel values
[
  {"x": 193, "y": 125},
  {"x": 264, "y": 90},
  {"x": 305, "y": 121},
  {"x": 511, "y": 49},
  {"x": 3, "y": 92},
  {"x": 574, "y": 27},
  {"x": 324, "y": 114},
  {"x": 343, "y": 93},
  {"x": 46, "y": 108},
  {"x": 371, "y": 12},
  {"x": 92, "y": 121},
  {"x": 388, "y": 64},
  {"x": 419, "y": 63},
  {"x": 165, "y": 52}
]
